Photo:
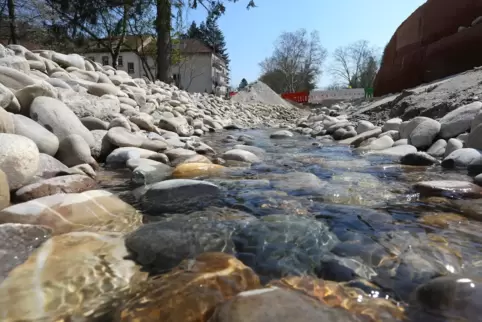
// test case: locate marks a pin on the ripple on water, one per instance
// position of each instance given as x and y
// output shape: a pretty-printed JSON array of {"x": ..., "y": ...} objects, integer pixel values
[{"x": 318, "y": 211}]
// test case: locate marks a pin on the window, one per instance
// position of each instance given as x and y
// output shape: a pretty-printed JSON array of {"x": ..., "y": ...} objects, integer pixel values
[
  {"x": 105, "y": 60},
  {"x": 120, "y": 61},
  {"x": 130, "y": 68}
]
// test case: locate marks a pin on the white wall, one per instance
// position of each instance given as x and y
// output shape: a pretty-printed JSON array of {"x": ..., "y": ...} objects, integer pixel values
[
  {"x": 196, "y": 73},
  {"x": 127, "y": 57}
]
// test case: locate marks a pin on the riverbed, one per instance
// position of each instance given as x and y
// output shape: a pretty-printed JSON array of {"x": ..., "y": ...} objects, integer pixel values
[{"x": 324, "y": 210}]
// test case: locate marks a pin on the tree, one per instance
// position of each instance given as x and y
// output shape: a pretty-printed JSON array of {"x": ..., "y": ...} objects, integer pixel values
[
  {"x": 296, "y": 63},
  {"x": 243, "y": 84},
  {"x": 355, "y": 65},
  {"x": 193, "y": 33},
  {"x": 163, "y": 27},
  {"x": 101, "y": 22}
]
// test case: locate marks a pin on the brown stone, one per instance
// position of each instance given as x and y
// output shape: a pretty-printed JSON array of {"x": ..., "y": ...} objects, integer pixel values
[
  {"x": 94, "y": 210},
  {"x": 198, "y": 158},
  {"x": 191, "y": 291},
  {"x": 64, "y": 184},
  {"x": 193, "y": 170},
  {"x": 71, "y": 277},
  {"x": 442, "y": 219},
  {"x": 448, "y": 188},
  {"x": 4, "y": 191},
  {"x": 339, "y": 295},
  {"x": 427, "y": 46}
]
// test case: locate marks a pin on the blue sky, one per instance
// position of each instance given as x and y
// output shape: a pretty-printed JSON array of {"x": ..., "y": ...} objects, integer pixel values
[{"x": 250, "y": 34}]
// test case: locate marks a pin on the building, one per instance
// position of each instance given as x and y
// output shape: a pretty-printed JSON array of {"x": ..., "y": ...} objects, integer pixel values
[{"x": 196, "y": 68}]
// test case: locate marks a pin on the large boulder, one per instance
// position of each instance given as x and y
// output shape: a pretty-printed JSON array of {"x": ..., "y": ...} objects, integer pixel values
[
  {"x": 417, "y": 55},
  {"x": 56, "y": 117},
  {"x": 46, "y": 142},
  {"x": 19, "y": 159}
]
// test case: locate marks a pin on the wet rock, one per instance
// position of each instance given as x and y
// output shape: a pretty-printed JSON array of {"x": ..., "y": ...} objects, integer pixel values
[
  {"x": 382, "y": 143},
  {"x": 450, "y": 296},
  {"x": 94, "y": 210},
  {"x": 396, "y": 151},
  {"x": 459, "y": 120},
  {"x": 259, "y": 152},
  {"x": 19, "y": 159},
  {"x": 298, "y": 183},
  {"x": 452, "y": 145},
  {"x": 84, "y": 263},
  {"x": 63, "y": 184},
  {"x": 356, "y": 140},
  {"x": 161, "y": 246},
  {"x": 448, "y": 188},
  {"x": 191, "y": 291},
  {"x": 418, "y": 158},
  {"x": 461, "y": 158},
  {"x": 276, "y": 304},
  {"x": 438, "y": 148},
  {"x": 17, "y": 243},
  {"x": 282, "y": 134},
  {"x": 193, "y": 170},
  {"x": 240, "y": 155},
  {"x": 145, "y": 174},
  {"x": 279, "y": 245},
  {"x": 360, "y": 305},
  {"x": 177, "y": 195}
]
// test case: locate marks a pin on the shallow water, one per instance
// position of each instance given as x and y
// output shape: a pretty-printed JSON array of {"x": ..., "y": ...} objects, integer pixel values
[{"x": 384, "y": 235}]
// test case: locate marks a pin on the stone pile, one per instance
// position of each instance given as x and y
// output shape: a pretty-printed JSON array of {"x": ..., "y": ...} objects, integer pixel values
[{"x": 64, "y": 114}]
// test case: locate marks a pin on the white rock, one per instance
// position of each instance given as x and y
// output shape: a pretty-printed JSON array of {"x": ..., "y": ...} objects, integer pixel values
[{"x": 19, "y": 159}]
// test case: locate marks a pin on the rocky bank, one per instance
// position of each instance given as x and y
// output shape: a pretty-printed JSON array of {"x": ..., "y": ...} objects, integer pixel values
[{"x": 127, "y": 200}]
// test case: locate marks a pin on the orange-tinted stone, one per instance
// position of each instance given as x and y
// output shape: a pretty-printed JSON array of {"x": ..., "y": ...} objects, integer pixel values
[
  {"x": 71, "y": 277},
  {"x": 191, "y": 291},
  {"x": 193, "y": 170},
  {"x": 338, "y": 295}
]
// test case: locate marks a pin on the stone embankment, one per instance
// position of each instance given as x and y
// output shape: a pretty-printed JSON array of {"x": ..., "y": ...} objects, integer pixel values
[{"x": 451, "y": 141}]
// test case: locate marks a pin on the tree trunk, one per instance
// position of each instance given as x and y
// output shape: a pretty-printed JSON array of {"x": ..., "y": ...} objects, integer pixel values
[
  {"x": 115, "y": 56},
  {"x": 163, "y": 30},
  {"x": 11, "y": 17}
]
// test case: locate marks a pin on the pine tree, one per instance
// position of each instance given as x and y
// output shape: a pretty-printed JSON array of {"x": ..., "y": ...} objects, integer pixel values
[
  {"x": 214, "y": 38},
  {"x": 194, "y": 32},
  {"x": 243, "y": 84}
]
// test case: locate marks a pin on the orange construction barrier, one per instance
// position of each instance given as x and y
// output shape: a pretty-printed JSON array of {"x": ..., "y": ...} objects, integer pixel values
[{"x": 299, "y": 97}]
